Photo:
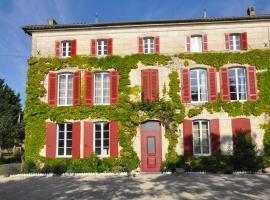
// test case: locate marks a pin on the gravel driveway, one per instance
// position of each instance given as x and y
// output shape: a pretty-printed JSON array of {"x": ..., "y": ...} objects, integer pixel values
[{"x": 145, "y": 186}]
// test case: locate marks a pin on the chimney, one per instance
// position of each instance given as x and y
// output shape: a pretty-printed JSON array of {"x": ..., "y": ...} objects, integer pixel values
[
  {"x": 251, "y": 11},
  {"x": 51, "y": 21},
  {"x": 97, "y": 18},
  {"x": 204, "y": 13}
]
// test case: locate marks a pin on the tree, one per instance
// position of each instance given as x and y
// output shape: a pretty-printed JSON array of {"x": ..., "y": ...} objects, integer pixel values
[{"x": 11, "y": 127}]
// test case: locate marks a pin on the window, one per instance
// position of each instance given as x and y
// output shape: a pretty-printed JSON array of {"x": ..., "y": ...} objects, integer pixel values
[
  {"x": 66, "y": 48},
  {"x": 238, "y": 84},
  {"x": 201, "y": 137},
  {"x": 65, "y": 89},
  {"x": 64, "y": 140},
  {"x": 199, "y": 88},
  {"x": 102, "y": 47},
  {"x": 148, "y": 45},
  {"x": 196, "y": 43},
  {"x": 102, "y": 139},
  {"x": 102, "y": 88},
  {"x": 235, "y": 40}
]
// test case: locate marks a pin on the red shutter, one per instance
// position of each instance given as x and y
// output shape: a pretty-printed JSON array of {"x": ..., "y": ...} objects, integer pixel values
[
  {"x": 73, "y": 47},
  {"x": 50, "y": 140},
  {"x": 154, "y": 87},
  {"x": 88, "y": 139},
  {"x": 57, "y": 48},
  {"x": 244, "y": 44},
  {"x": 227, "y": 41},
  {"x": 212, "y": 84},
  {"x": 188, "y": 43},
  {"x": 240, "y": 124},
  {"x": 205, "y": 42},
  {"x": 110, "y": 46},
  {"x": 215, "y": 137},
  {"x": 114, "y": 139},
  {"x": 252, "y": 83},
  {"x": 140, "y": 45},
  {"x": 145, "y": 81},
  {"x": 76, "y": 88},
  {"x": 224, "y": 84},
  {"x": 185, "y": 85},
  {"x": 93, "y": 49},
  {"x": 76, "y": 136},
  {"x": 114, "y": 81},
  {"x": 89, "y": 88},
  {"x": 188, "y": 137},
  {"x": 52, "y": 89},
  {"x": 157, "y": 46}
]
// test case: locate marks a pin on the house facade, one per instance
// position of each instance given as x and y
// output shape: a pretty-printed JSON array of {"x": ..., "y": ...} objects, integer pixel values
[{"x": 75, "y": 86}]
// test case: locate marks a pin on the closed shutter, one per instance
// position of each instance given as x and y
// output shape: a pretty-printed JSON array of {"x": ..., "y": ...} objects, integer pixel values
[
  {"x": 88, "y": 139},
  {"x": 157, "y": 46},
  {"x": 215, "y": 137},
  {"x": 145, "y": 82},
  {"x": 114, "y": 139},
  {"x": 227, "y": 41},
  {"x": 76, "y": 136},
  {"x": 240, "y": 124},
  {"x": 89, "y": 88},
  {"x": 73, "y": 47},
  {"x": 185, "y": 85},
  {"x": 140, "y": 45},
  {"x": 93, "y": 47},
  {"x": 188, "y": 137},
  {"x": 57, "y": 48},
  {"x": 188, "y": 49},
  {"x": 212, "y": 84},
  {"x": 244, "y": 43},
  {"x": 252, "y": 83},
  {"x": 154, "y": 88},
  {"x": 52, "y": 89},
  {"x": 205, "y": 42},
  {"x": 110, "y": 46},
  {"x": 224, "y": 84},
  {"x": 76, "y": 88},
  {"x": 51, "y": 139},
  {"x": 114, "y": 81}
]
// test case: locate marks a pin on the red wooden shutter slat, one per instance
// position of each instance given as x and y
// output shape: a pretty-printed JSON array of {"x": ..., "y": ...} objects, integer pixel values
[
  {"x": 57, "y": 48},
  {"x": 110, "y": 46},
  {"x": 154, "y": 86},
  {"x": 89, "y": 88},
  {"x": 114, "y": 81},
  {"x": 73, "y": 47},
  {"x": 252, "y": 83},
  {"x": 215, "y": 137},
  {"x": 205, "y": 42},
  {"x": 212, "y": 84},
  {"x": 76, "y": 135},
  {"x": 88, "y": 139},
  {"x": 188, "y": 137},
  {"x": 224, "y": 84},
  {"x": 188, "y": 49},
  {"x": 51, "y": 139},
  {"x": 76, "y": 88},
  {"x": 93, "y": 47},
  {"x": 240, "y": 124},
  {"x": 145, "y": 82},
  {"x": 185, "y": 85},
  {"x": 140, "y": 45},
  {"x": 244, "y": 45},
  {"x": 114, "y": 139},
  {"x": 157, "y": 45},
  {"x": 227, "y": 41},
  {"x": 52, "y": 89}
]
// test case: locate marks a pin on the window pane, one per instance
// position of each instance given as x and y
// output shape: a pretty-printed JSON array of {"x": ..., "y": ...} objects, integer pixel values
[
  {"x": 106, "y": 143},
  {"x": 106, "y": 127},
  {"x": 60, "y": 151},
  {"x": 61, "y": 127},
  {"x": 68, "y": 151},
  {"x": 61, "y": 143},
  {"x": 106, "y": 151},
  {"x": 151, "y": 145},
  {"x": 69, "y": 127},
  {"x": 69, "y": 143},
  {"x": 106, "y": 134},
  {"x": 98, "y": 151},
  {"x": 196, "y": 44},
  {"x": 98, "y": 143},
  {"x": 69, "y": 135},
  {"x": 151, "y": 126},
  {"x": 98, "y": 127}
]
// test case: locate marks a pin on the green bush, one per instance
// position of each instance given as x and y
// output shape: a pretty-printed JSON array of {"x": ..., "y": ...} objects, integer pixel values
[
  {"x": 266, "y": 140},
  {"x": 59, "y": 168},
  {"x": 29, "y": 166}
]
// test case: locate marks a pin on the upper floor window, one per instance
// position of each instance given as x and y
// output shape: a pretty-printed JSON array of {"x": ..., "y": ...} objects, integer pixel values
[
  {"x": 102, "y": 88},
  {"x": 102, "y": 47},
  {"x": 235, "y": 42},
  {"x": 196, "y": 43},
  {"x": 66, "y": 48},
  {"x": 238, "y": 84},
  {"x": 201, "y": 137},
  {"x": 199, "y": 86},
  {"x": 65, "y": 89},
  {"x": 64, "y": 140},
  {"x": 102, "y": 138},
  {"x": 148, "y": 43}
]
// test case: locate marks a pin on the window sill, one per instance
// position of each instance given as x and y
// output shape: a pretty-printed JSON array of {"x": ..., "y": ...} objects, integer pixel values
[
  {"x": 202, "y": 155},
  {"x": 64, "y": 105},
  {"x": 68, "y": 156}
]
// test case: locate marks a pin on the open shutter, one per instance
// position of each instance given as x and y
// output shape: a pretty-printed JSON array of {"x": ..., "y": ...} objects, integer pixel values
[
  {"x": 76, "y": 88},
  {"x": 51, "y": 139},
  {"x": 212, "y": 84},
  {"x": 76, "y": 136},
  {"x": 114, "y": 139},
  {"x": 52, "y": 89},
  {"x": 227, "y": 41},
  {"x": 93, "y": 47},
  {"x": 242, "y": 124},
  {"x": 145, "y": 82},
  {"x": 244, "y": 44},
  {"x": 188, "y": 44},
  {"x": 205, "y": 42},
  {"x": 157, "y": 46},
  {"x": 252, "y": 83},
  {"x": 215, "y": 137},
  {"x": 114, "y": 81},
  {"x": 224, "y": 84},
  {"x": 185, "y": 85},
  {"x": 57, "y": 48},
  {"x": 73, "y": 47},
  {"x": 110, "y": 46},
  {"x": 88, "y": 139},
  {"x": 140, "y": 45},
  {"x": 89, "y": 88},
  {"x": 188, "y": 137}
]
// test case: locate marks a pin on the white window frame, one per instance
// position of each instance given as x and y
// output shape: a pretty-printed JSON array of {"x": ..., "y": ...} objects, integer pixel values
[
  {"x": 102, "y": 139},
  {"x": 232, "y": 38},
  {"x": 65, "y": 142},
  {"x": 102, "y": 88},
  {"x": 147, "y": 41},
  {"x": 196, "y": 47},
  {"x": 237, "y": 84},
  {"x": 102, "y": 43},
  {"x": 66, "y": 89},
  {"x": 67, "y": 52},
  {"x": 209, "y": 138},
  {"x": 199, "y": 86}
]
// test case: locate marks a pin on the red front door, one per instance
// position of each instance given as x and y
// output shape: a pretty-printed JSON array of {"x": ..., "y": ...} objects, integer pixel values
[{"x": 151, "y": 150}]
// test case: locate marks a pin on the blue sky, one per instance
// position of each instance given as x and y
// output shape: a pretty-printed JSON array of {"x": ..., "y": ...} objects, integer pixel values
[{"x": 15, "y": 46}]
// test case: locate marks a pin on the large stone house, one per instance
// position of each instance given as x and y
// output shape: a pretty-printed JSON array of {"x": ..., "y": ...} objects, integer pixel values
[{"x": 200, "y": 135}]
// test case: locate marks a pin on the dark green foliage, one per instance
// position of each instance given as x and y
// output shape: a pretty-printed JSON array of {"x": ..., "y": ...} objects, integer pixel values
[
  {"x": 266, "y": 140},
  {"x": 29, "y": 166}
]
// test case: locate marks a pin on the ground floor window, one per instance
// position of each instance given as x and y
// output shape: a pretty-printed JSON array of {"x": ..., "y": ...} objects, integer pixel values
[
  {"x": 64, "y": 140},
  {"x": 201, "y": 138},
  {"x": 102, "y": 138}
]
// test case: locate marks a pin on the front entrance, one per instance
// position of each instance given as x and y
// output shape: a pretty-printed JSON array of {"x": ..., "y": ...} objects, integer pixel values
[{"x": 151, "y": 148}]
